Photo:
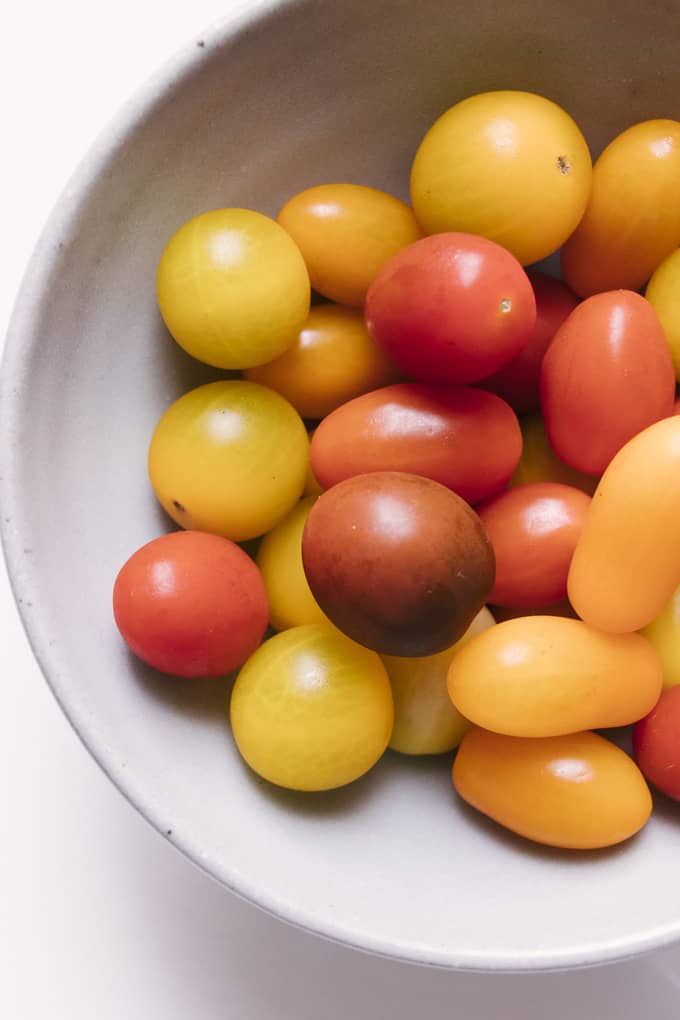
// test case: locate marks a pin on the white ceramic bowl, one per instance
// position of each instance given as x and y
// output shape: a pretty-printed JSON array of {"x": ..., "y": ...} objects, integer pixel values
[{"x": 289, "y": 96}]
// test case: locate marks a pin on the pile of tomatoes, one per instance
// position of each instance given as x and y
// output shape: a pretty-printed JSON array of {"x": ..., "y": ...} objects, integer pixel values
[{"x": 462, "y": 476}]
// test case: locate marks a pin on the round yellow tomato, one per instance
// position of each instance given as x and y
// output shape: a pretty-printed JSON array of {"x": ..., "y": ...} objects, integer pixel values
[
  {"x": 279, "y": 558},
  {"x": 632, "y": 221},
  {"x": 229, "y": 457},
  {"x": 540, "y": 463},
  {"x": 332, "y": 360},
  {"x": 663, "y": 292},
  {"x": 233, "y": 288},
  {"x": 312, "y": 710},
  {"x": 664, "y": 633},
  {"x": 346, "y": 233},
  {"x": 511, "y": 166},
  {"x": 425, "y": 720}
]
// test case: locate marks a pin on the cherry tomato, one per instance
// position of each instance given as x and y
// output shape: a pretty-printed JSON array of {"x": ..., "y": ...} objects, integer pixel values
[
  {"x": 533, "y": 530},
  {"x": 518, "y": 381},
  {"x": 346, "y": 233},
  {"x": 664, "y": 633},
  {"x": 279, "y": 558},
  {"x": 191, "y": 604},
  {"x": 632, "y": 221},
  {"x": 452, "y": 308},
  {"x": 607, "y": 375},
  {"x": 511, "y": 166},
  {"x": 626, "y": 563},
  {"x": 540, "y": 463},
  {"x": 578, "y": 791},
  {"x": 663, "y": 293},
  {"x": 312, "y": 710},
  {"x": 542, "y": 676},
  {"x": 233, "y": 288},
  {"x": 425, "y": 720},
  {"x": 332, "y": 360},
  {"x": 464, "y": 438},
  {"x": 229, "y": 457},
  {"x": 656, "y": 744}
]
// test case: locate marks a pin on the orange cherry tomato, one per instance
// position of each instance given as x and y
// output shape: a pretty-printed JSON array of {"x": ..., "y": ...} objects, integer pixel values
[
  {"x": 533, "y": 530},
  {"x": 656, "y": 744},
  {"x": 332, "y": 360},
  {"x": 462, "y": 437},
  {"x": 540, "y": 463},
  {"x": 626, "y": 563},
  {"x": 607, "y": 375},
  {"x": 191, "y": 604},
  {"x": 346, "y": 233},
  {"x": 578, "y": 791},
  {"x": 632, "y": 221}
]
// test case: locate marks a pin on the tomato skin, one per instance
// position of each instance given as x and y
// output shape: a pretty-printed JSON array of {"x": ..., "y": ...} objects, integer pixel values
[
  {"x": 451, "y": 308},
  {"x": 540, "y": 463},
  {"x": 191, "y": 604},
  {"x": 606, "y": 376},
  {"x": 664, "y": 634},
  {"x": 332, "y": 360},
  {"x": 461, "y": 437},
  {"x": 509, "y": 165},
  {"x": 533, "y": 530},
  {"x": 232, "y": 288},
  {"x": 346, "y": 233},
  {"x": 578, "y": 791},
  {"x": 312, "y": 710},
  {"x": 518, "y": 382},
  {"x": 632, "y": 221},
  {"x": 663, "y": 293},
  {"x": 656, "y": 744},
  {"x": 397, "y": 562}
]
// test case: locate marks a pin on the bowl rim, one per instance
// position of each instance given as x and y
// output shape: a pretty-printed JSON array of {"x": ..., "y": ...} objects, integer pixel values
[{"x": 22, "y": 337}]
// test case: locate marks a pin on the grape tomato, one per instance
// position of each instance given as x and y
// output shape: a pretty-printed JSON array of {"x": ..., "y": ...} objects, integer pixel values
[{"x": 656, "y": 744}]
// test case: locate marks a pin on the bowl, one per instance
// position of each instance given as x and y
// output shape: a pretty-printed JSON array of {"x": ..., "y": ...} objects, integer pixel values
[{"x": 270, "y": 102}]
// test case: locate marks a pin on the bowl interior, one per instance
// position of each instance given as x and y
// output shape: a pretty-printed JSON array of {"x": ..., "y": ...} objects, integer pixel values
[{"x": 303, "y": 93}]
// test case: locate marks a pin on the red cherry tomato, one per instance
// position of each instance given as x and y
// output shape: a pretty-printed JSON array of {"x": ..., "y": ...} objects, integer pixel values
[
  {"x": 464, "y": 438},
  {"x": 518, "y": 381},
  {"x": 606, "y": 376},
  {"x": 533, "y": 531},
  {"x": 191, "y": 604},
  {"x": 451, "y": 308},
  {"x": 656, "y": 743}
]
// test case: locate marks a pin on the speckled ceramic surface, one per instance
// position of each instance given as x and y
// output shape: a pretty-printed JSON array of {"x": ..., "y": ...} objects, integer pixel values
[{"x": 253, "y": 111}]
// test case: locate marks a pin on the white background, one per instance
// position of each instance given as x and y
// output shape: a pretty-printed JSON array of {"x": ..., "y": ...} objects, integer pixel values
[{"x": 99, "y": 917}]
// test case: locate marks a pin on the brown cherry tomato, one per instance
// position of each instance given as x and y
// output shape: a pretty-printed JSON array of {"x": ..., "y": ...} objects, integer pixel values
[
  {"x": 533, "y": 530},
  {"x": 464, "y": 438},
  {"x": 656, "y": 743}
]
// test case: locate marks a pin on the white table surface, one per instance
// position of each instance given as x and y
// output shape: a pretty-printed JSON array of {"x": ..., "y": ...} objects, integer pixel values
[{"x": 100, "y": 919}]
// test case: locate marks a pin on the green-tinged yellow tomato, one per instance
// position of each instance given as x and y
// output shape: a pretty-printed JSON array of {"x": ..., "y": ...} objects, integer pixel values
[
  {"x": 540, "y": 463},
  {"x": 312, "y": 710},
  {"x": 425, "y": 721},
  {"x": 230, "y": 458},
  {"x": 332, "y": 360},
  {"x": 663, "y": 292},
  {"x": 578, "y": 791},
  {"x": 664, "y": 634},
  {"x": 544, "y": 676},
  {"x": 279, "y": 558},
  {"x": 511, "y": 166},
  {"x": 233, "y": 288}
]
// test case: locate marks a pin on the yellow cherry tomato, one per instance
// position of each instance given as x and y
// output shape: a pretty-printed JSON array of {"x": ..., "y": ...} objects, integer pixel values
[
  {"x": 663, "y": 292},
  {"x": 230, "y": 458},
  {"x": 664, "y": 634},
  {"x": 544, "y": 676},
  {"x": 346, "y": 233},
  {"x": 312, "y": 710},
  {"x": 540, "y": 463},
  {"x": 279, "y": 558},
  {"x": 332, "y": 360},
  {"x": 632, "y": 221},
  {"x": 626, "y": 564},
  {"x": 425, "y": 721},
  {"x": 511, "y": 166},
  {"x": 233, "y": 288},
  {"x": 578, "y": 791}
]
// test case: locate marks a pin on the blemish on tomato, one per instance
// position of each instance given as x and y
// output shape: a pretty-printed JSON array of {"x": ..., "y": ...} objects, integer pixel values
[
  {"x": 563, "y": 165},
  {"x": 505, "y": 306}
]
